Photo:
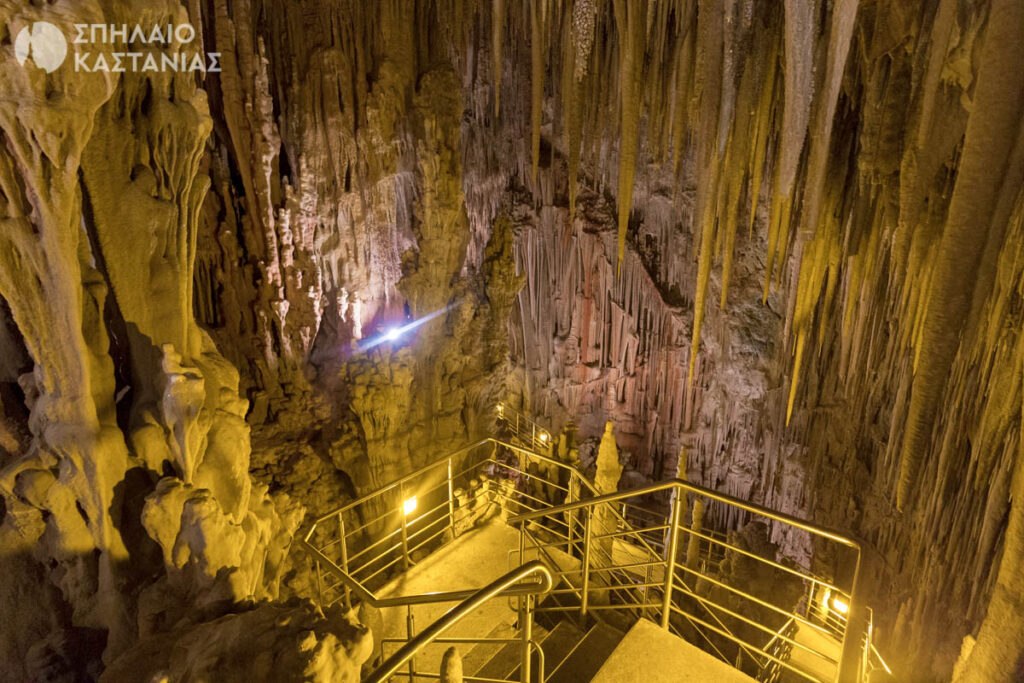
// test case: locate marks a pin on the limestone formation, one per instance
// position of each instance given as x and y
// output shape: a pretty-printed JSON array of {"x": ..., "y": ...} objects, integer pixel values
[{"x": 778, "y": 245}]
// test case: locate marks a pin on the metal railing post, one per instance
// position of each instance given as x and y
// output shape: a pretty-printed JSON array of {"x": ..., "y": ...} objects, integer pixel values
[
  {"x": 510, "y": 583},
  {"x": 866, "y": 654},
  {"x": 405, "y": 526},
  {"x": 587, "y": 542},
  {"x": 344, "y": 559},
  {"x": 319, "y": 585},
  {"x": 526, "y": 627},
  {"x": 670, "y": 559},
  {"x": 540, "y": 662},
  {"x": 410, "y": 630},
  {"x": 850, "y": 658},
  {"x": 451, "y": 499},
  {"x": 570, "y": 517}
]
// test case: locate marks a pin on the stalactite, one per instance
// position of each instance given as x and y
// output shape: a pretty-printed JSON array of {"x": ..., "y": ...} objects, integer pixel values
[
  {"x": 763, "y": 120},
  {"x": 537, "y": 33},
  {"x": 682, "y": 97},
  {"x": 978, "y": 191},
  {"x": 843, "y": 14},
  {"x": 497, "y": 45},
  {"x": 922, "y": 159},
  {"x": 630, "y": 22},
  {"x": 576, "y": 60},
  {"x": 799, "y": 30},
  {"x": 709, "y": 64}
]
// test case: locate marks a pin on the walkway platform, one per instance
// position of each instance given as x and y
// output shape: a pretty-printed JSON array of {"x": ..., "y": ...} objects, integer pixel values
[{"x": 472, "y": 560}]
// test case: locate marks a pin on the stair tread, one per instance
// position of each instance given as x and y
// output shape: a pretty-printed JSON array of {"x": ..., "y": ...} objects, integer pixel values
[
  {"x": 559, "y": 642},
  {"x": 506, "y": 658},
  {"x": 556, "y": 644},
  {"x": 583, "y": 662},
  {"x": 478, "y": 655}
]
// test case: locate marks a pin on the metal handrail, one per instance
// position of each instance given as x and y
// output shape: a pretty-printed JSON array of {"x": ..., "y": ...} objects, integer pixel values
[
  {"x": 346, "y": 575},
  {"x": 429, "y": 466},
  {"x": 367, "y": 595},
  {"x": 667, "y": 585},
  {"x": 538, "y": 434},
  {"x": 500, "y": 586},
  {"x": 582, "y": 494},
  {"x": 848, "y": 662},
  {"x": 699, "y": 490}
]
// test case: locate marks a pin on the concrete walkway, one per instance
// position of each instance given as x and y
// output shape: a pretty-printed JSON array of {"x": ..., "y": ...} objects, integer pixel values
[
  {"x": 471, "y": 561},
  {"x": 811, "y": 663}
]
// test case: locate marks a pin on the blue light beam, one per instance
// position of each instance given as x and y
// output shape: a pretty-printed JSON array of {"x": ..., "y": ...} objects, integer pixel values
[{"x": 394, "y": 334}]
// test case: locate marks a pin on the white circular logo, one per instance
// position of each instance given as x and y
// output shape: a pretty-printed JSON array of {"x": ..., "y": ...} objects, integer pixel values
[{"x": 44, "y": 42}]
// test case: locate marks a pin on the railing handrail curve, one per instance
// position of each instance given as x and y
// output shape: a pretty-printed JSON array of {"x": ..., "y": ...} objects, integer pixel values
[
  {"x": 499, "y": 586},
  {"x": 434, "y": 463},
  {"x": 403, "y": 600}
]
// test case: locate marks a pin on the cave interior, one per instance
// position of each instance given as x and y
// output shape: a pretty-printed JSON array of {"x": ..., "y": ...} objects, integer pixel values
[{"x": 753, "y": 268}]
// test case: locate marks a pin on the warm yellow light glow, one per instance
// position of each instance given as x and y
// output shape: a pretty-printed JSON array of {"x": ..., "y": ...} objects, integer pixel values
[
  {"x": 840, "y": 605},
  {"x": 501, "y": 409},
  {"x": 409, "y": 506},
  {"x": 543, "y": 437}
]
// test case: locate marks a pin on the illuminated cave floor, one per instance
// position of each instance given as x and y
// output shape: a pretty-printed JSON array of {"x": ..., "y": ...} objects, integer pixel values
[{"x": 471, "y": 561}]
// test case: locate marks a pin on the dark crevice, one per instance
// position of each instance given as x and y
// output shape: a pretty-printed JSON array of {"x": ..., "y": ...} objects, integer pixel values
[{"x": 114, "y": 323}]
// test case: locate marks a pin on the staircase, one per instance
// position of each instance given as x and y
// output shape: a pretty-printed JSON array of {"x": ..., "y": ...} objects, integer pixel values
[{"x": 577, "y": 586}]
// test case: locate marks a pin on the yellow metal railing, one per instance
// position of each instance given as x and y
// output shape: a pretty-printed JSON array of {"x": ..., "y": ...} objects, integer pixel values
[
  {"x": 522, "y": 429},
  {"x": 631, "y": 560},
  {"x": 357, "y": 547},
  {"x": 693, "y": 597},
  {"x": 501, "y": 586}
]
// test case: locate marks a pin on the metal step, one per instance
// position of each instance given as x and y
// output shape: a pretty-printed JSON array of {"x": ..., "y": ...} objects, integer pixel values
[
  {"x": 556, "y": 644},
  {"x": 480, "y": 654},
  {"x": 583, "y": 662},
  {"x": 506, "y": 660}
]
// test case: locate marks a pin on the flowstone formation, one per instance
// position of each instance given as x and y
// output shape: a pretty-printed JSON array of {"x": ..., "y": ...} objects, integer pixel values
[{"x": 129, "y": 507}]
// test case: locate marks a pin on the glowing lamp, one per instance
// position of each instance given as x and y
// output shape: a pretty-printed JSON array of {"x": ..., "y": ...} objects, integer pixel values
[
  {"x": 840, "y": 605},
  {"x": 393, "y": 334},
  {"x": 544, "y": 437},
  {"x": 409, "y": 506},
  {"x": 501, "y": 409}
]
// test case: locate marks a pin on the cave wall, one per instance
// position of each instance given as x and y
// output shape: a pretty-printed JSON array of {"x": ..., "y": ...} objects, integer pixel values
[
  {"x": 840, "y": 135},
  {"x": 130, "y": 513}
]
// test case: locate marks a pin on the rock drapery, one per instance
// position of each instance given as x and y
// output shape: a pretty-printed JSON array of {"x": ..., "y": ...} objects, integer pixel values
[
  {"x": 195, "y": 273},
  {"x": 133, "y": 494}
]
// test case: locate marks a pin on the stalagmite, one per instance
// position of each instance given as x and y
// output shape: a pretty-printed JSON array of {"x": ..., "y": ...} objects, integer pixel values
[
  {"x": 451, "y": 666},
  {"x": 693, "y": 542}
]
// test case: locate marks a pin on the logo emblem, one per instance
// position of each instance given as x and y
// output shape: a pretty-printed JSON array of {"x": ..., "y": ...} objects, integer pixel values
[{"x": 44, "y": 43}]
